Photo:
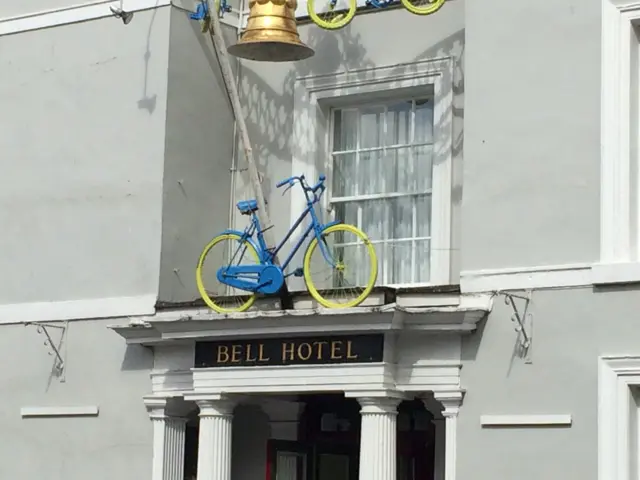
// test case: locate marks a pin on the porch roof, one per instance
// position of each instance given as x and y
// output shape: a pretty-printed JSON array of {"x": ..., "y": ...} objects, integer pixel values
[{"x": 409, "y": 310}]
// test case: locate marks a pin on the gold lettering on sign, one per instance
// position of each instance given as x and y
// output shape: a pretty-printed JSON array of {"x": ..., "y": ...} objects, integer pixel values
[
  {"x": 223, "y": 354},
  {"x": 320, "y": 349},
  {"x": 236, "y": 350},
  {"x": 350, "y": 355},
  {"x": 288, "y": 349},
  {"x": 248, "y": 356},
  {"x": 304, "y": 351},
  {"x": 336, "y": 354},
  {"x": 252, "y": 353},
  {"x": 261, "y": 357}
]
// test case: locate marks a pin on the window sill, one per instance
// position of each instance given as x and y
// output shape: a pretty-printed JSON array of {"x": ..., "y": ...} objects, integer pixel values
[{"x": 615, "y": 273}]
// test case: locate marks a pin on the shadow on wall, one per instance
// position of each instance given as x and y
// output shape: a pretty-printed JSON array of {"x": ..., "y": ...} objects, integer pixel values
[
  {"x": 148, "y": 102},
  {"x": 137, "y": 357},
  {"x": 269, "y": 114}
]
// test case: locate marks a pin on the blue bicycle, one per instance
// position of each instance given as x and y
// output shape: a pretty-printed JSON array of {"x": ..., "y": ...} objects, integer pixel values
[{"x": 243, "y": 265}]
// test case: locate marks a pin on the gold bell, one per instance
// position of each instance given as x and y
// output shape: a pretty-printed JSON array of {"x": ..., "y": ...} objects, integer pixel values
[{"x": 271, "y": 34}]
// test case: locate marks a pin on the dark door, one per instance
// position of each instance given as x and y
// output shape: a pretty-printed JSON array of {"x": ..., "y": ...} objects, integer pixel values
[
  {"x": 287, "y": 461},
  {"x": 335, "y": 461}
]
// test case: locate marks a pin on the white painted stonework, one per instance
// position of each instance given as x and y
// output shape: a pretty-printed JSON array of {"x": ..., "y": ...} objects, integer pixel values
[
  {"x": 619, "y": 240},
  {"x": 618, "y": 376},
  {"x": 421, "y": 358}
]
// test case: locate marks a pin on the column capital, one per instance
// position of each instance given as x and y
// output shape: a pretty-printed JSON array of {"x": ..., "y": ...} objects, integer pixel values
[
  {"x": 451, "y": 401},
  {"x": 163, "y": 408},
  {"x": 213, "y": 405},
  {"x": 379, "y": 404}
]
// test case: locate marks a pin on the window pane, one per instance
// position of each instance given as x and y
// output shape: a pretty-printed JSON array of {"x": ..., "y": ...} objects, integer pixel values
[
  {"x": 423, "y": 261},
  {"x": 373, "y": 173},
  {"x": 398, "y": 124},
  {"x": 345, "y": 129},
  {"x": 422, "y": 168},
  {"x": 347, "y": 212},
  {"x": 374, "y": 219},
  {"x": 424, "y": 121},
  {"x": 371, "y": 127},
  {"x": 400, "y": 262},
  {"x": 401, "y": 218},
  {"x": 344, "y": 179},
  {"x": 423, "y": 216},
  {"x": 411, "y": 169}
]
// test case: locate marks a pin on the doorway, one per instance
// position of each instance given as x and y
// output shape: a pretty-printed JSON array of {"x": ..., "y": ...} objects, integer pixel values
[{"x": 329, "y": 442}]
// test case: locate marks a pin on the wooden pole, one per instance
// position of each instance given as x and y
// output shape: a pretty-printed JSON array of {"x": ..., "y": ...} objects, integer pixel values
[{"x": 215, "y": 31}]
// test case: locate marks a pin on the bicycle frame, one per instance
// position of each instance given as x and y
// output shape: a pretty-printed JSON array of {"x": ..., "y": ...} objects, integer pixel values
[{"x": 267, "y": 255}]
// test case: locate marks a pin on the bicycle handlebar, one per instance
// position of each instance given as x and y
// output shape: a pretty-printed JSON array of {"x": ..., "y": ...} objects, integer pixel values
[{"x": 290, "y": 181}]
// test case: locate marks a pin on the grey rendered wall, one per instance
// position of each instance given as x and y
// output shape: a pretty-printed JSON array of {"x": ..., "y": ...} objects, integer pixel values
[
  {"x": 532, "y": 133},
  {"x": 198, "y": 156},
  {"x": 82, "y": 123},
  {"x": 571, "y": 329},
  {"x": 267, "y": 89},
  {"x": 100, "y": 370}
]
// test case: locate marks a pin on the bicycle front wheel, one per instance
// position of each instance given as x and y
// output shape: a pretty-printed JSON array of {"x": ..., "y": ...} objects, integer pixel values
[
  {"x": 341, "y": 271},
  {"x": 228, "y": 249},
  {"x": 422, "y": 7},
  {"x": 325, "y": 14}
]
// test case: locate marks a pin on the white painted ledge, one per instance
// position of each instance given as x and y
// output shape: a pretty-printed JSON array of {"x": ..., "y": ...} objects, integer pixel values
[
  {"x": 73, "y": 14},
  {"x": 80, "y": 411},
  {"x": 77, "y": 309},
  {"x": 523, "y": 278},
  {"x": 524, "y": 420},
  {"x": 613, "y": 273}
]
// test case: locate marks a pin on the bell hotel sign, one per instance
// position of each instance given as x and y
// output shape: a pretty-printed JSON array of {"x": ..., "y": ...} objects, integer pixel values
[{"x": 290, "y": 351}]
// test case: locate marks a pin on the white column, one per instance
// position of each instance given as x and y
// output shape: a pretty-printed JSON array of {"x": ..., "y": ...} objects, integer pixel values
[
  {"x": 214, "y": 444},
  {"x": 168, "y": 441},
  {"x": 378, "y": 451},
  {"x": 451, "y": 402}
]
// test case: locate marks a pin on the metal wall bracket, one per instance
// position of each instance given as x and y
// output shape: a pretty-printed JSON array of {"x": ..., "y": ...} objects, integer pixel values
[
  {"x": 58, "y": 351},
  {"x": 523, "y": 320}
]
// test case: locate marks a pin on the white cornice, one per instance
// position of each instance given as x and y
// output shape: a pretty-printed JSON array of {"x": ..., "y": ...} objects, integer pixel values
[
  {"x": 200, "y": 324},
  {"x": 72, "y": 14},
  {"x": 84, "y": 12},
  {"x": 77, "y": 309}
]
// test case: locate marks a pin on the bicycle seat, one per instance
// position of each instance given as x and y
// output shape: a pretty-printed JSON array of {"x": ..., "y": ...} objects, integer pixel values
[{"x": 247, "y": 207}]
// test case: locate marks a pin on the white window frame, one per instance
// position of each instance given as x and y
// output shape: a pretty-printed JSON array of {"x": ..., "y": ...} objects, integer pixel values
[
  {"x": 314, "y": 97},
  {"x": 617, "y": 375},
  {"x": 619, "y": 213}
]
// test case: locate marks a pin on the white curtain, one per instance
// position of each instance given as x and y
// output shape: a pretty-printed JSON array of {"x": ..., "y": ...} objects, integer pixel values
[{"x": 382, "y": 183}]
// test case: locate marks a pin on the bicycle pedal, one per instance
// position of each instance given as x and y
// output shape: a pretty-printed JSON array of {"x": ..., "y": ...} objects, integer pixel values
[{"x": 298, "y": 272}]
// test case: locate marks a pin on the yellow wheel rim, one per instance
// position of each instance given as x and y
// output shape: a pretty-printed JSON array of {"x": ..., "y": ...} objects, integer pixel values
[
  {"x": 373, "y": 263},
  {"x": 340, "y": 21},
  {"x": 211, "y": 303},
  {"x": 423, "y": 10}
]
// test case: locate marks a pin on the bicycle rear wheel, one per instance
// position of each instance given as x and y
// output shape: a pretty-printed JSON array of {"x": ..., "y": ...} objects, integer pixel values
[
  {"x": 225, "y": 250},
  {"x": 422, "y": 7},
  {"x": 345, "y": 285}
]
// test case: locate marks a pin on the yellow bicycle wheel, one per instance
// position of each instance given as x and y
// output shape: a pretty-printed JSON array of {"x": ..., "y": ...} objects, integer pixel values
[
  {"x": 223, "y": 250},
  {"x": 422, "y": 7},
  {"x": 343, "y": 243},
  {"x": 330, "y": 18}
]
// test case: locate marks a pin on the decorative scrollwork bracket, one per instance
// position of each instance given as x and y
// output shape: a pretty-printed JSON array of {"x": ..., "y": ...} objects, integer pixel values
[
  {"x": 58, "y": 351},
  {"x": 523, "y": 320}
]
